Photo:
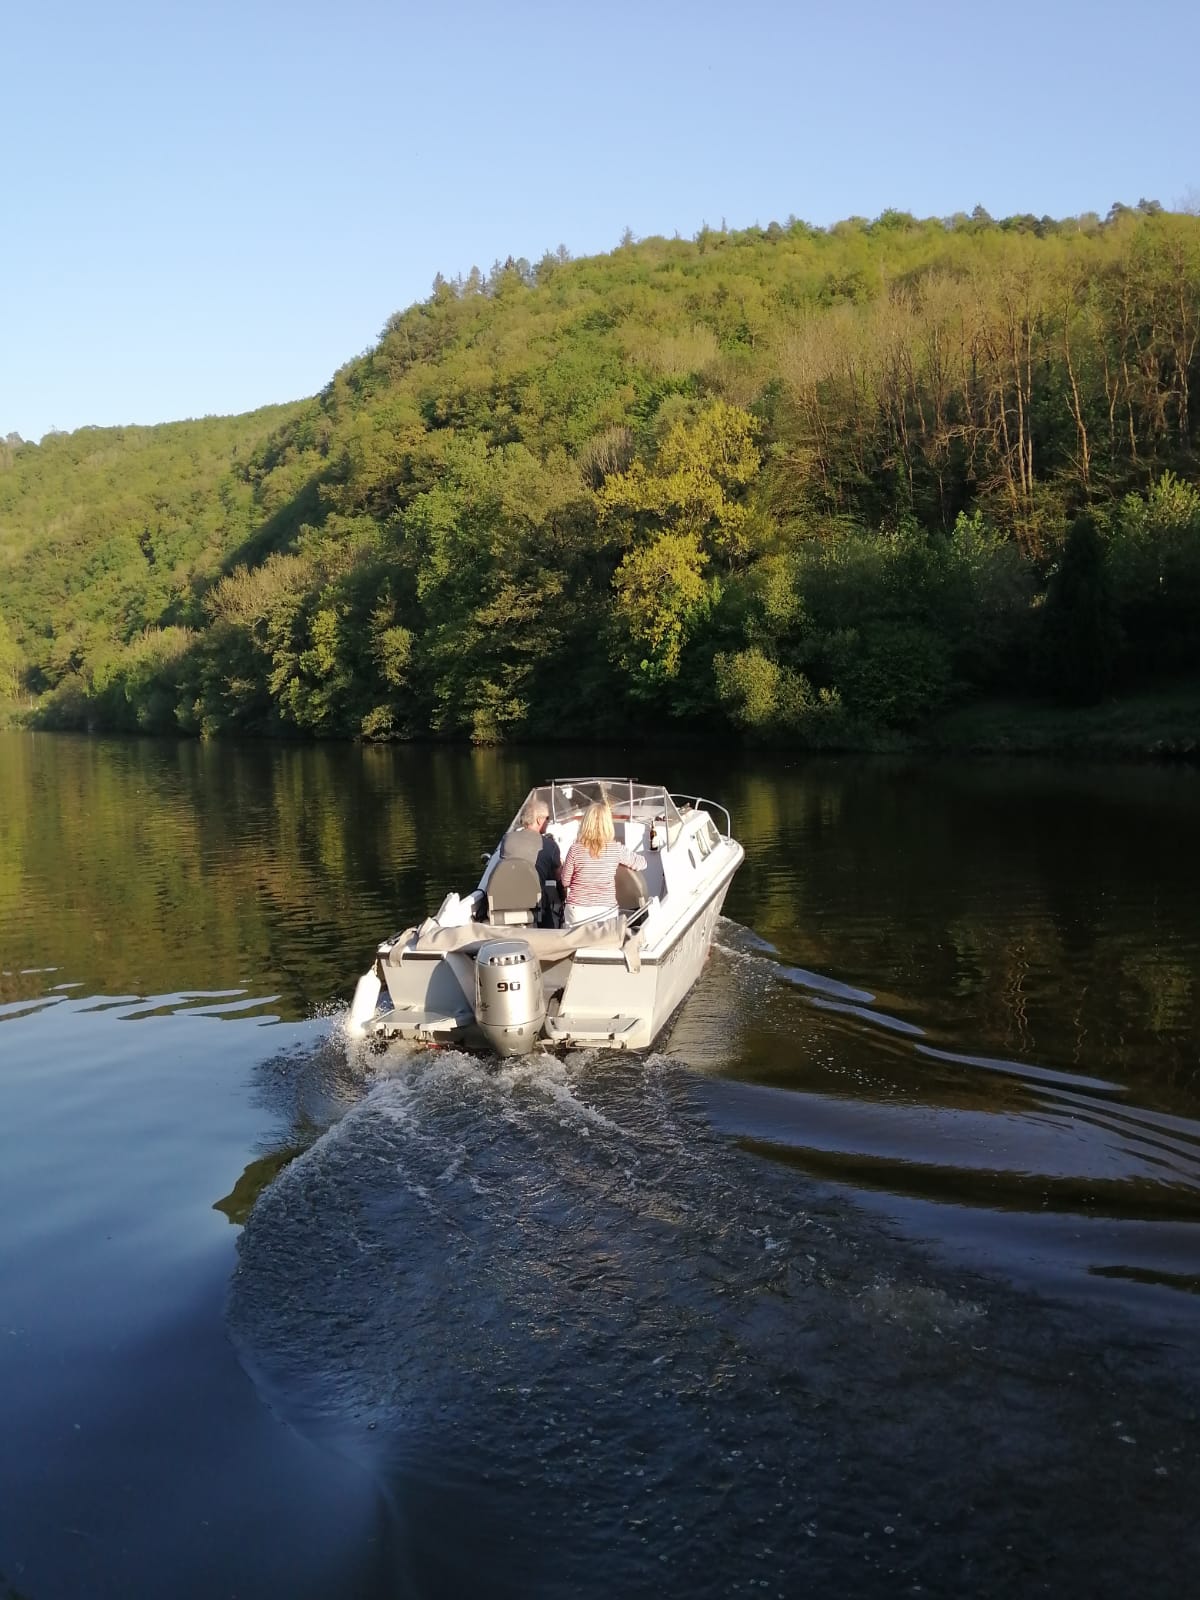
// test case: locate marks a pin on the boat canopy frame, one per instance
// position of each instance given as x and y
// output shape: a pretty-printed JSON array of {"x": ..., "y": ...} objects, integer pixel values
[{"x": 568, "y": 798}]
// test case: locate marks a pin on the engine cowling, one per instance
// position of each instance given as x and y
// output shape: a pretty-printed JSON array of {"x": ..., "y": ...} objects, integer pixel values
[{"x": 510, "y": 1005}]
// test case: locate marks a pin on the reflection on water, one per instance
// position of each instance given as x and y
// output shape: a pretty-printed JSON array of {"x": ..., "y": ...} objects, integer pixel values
[
  {"x": 725, "y": 1311},
  {"x": 977, "y": 984},
  {"x": 159, "y": 866},
  {"x": 255, "y": 1177},
  {"x": 1025, "y": 909},
  {"x": 1055, "y": 1157}
]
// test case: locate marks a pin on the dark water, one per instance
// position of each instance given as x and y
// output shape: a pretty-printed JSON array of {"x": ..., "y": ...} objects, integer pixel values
[{"x": 881, "y": 1276}]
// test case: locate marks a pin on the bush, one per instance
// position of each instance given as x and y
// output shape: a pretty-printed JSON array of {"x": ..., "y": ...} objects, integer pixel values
[
  {"x": 892, "y": 674},
  {"x": 989, "y": 613},
  {"x": 1154, "y": 561},
  {"x": 773, "y": 703},
  {"x": 67, "y": 707},
  {"x": 1081, "y": 637}
]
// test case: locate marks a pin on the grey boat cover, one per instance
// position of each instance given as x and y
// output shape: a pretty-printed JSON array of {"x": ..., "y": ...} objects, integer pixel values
[{"x": 547, "y": 944}]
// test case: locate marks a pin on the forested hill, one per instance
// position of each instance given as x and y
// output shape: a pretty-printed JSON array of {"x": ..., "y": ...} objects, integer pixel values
[{"x": 805, "y": 484}]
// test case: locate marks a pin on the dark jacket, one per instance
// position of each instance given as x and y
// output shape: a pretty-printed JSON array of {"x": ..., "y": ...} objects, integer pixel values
[{"x": 527, "y": 844}]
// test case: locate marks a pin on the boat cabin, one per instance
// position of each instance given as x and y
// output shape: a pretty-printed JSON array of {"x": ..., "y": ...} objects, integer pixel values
[{"x": 647, "y": 819}]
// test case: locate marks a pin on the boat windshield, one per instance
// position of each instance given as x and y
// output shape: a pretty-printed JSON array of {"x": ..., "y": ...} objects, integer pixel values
[{"x": 568, "y": 798}]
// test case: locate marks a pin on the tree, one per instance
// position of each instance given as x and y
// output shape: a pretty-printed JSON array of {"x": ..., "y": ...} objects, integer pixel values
[
  {"x": 1081, "y": 633},
  {"x": 1154, "y": 559},
  {"x": 559, "y": 492},
  {"x": 12, "y": 664},
  {"x": 695, "y": 484},
  {"x": 660, "y": 597}
]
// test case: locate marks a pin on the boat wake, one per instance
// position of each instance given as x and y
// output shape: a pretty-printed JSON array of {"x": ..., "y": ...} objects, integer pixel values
[
  {"x": 1059, "y": 1179},
  {"x": 546, "y": 1301}
]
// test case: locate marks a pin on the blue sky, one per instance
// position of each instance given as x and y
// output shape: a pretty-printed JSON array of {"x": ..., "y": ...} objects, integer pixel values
[{"x": 209, "y": 207}]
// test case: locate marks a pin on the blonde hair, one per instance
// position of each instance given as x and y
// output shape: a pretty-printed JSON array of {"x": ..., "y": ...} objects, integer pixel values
[{"x": 596, "y": 830}]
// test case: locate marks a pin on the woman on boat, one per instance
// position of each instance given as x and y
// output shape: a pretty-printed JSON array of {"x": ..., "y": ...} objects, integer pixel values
[{"x": 589, "y": 870}]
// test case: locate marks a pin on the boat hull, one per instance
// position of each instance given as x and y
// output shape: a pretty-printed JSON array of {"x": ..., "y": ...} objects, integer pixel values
[
  {"x": 612, "y": 982},
  {"x": 614, "y": 993},
  {"x": 631, "y": 1013}
]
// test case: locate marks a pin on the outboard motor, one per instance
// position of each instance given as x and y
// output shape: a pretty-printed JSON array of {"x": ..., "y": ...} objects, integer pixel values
[{"x": 510, "y": 1006}]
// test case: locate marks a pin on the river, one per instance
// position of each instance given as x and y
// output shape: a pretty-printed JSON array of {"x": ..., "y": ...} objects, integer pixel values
[{"x": 881, "y": 1275}]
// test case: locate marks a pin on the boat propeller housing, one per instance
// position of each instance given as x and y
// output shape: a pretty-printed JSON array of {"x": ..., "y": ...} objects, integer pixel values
[{"x": 510, "y": 1006}]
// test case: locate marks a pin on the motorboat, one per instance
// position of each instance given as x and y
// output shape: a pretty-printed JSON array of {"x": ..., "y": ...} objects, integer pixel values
[{"x": 497, "y": 968}]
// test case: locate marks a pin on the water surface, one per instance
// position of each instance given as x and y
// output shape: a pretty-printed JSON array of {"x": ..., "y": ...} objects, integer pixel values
[{"x": 881, "y": 1274}]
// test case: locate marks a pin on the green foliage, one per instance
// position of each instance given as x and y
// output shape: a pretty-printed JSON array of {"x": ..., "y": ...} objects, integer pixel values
[
  {"x": 661, "y": 596},
  {"x": 1154, "y": 562},
  {"x": 694, "y": 485},
  {"x": 773, "y": 703},
  {"x": 989, "y": 604},
  {"x": 1081, "y": 634},
  {"x": 892, "y": 674},
  {"x": 806, "y": 485},
  {"x": 12, "y": 665}
]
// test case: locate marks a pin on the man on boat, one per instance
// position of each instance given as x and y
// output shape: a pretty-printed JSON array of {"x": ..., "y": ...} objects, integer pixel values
[{"x": 531, "y": 842}]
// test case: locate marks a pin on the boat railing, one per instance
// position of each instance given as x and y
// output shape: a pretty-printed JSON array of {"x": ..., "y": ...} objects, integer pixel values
[
  {"x": 698, "y": 803},
  {"x": 568, "y": 798}
]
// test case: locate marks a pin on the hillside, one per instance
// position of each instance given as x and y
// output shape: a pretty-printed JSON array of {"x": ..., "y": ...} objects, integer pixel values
[
  {"x": 812, "y": 484},
  {"x": 107, "y": 532}
]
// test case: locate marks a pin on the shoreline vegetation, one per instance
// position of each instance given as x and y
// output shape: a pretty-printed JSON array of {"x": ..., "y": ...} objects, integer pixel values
[
  {"x": 1161, "y": 724},
  {"x": 1150, "y": 725},
  {"x": 922, "y": 485}
]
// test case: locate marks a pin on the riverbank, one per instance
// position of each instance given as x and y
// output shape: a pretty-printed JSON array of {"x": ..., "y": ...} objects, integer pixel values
[{"x": 1159, "y": 723}]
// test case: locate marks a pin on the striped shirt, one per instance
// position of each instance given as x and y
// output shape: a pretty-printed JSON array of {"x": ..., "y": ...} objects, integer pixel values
[{"x": 590, "y": 880}]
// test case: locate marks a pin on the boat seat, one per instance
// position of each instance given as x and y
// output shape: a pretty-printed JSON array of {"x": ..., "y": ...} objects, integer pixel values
[
  {"x": 630, "y": 885},
  {"x": 514, "y": 893}
]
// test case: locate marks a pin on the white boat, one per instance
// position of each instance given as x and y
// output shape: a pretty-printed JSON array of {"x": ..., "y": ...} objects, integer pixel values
[{"x": 495, "y": 969}]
